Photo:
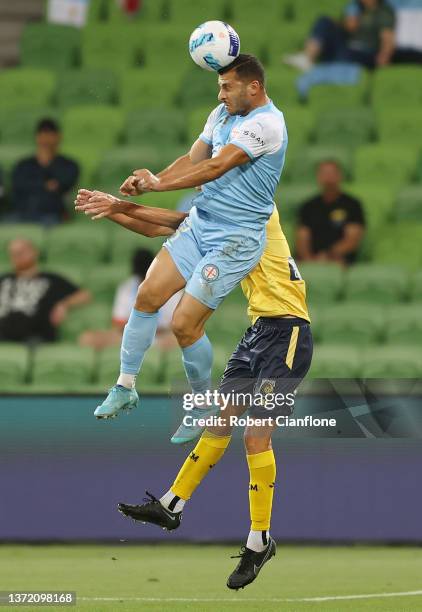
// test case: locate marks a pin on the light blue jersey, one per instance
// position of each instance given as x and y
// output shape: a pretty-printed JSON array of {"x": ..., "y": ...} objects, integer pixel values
[
  {"x": 223, "y": 238},
  {"x": 245, "y": 195}
]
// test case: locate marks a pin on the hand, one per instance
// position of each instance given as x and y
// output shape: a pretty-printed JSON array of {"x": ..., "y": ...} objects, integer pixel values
[
  {"x": 58, "y": 314},
  {"x": 130, "y": 186},
  {"x": 98, "y": 204},
  {"x": 146, "y": 181}
]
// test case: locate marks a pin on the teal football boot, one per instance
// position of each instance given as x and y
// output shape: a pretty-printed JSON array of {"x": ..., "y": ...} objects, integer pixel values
[
  {"x": 119, "y": 398},
  {"x": 191, "y": 431}
]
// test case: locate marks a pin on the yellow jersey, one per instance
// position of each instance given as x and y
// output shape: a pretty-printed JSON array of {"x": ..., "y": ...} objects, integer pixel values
[{"x": 274, "y": 288}]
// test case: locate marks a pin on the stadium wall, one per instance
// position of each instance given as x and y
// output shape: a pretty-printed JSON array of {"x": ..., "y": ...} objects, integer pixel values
[{"x": 62, "y": 474}]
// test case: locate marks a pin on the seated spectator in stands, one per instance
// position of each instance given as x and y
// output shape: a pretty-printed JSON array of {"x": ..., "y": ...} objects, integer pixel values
[
  {"x": 123, "y": 304},
  {"x": 364, "y": 35},
  {"x": 40, "y": 182},
  {"x": 331, "y": 225},
  {"x": 33, "y": 304},
  {"x": 1, "y": 190}
]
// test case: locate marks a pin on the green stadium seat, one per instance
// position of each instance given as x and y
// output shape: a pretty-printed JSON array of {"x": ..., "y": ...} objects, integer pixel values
[
  {"x": 166, "y": 44},
  {"x": 104, "y": 280},
  {"x": 399, "y": 243},
  {"x": 109, "y": 363},
  {"x": 84, "y": 125},
  {"x": 303, "y": 10},
  {"x": 112, "y": 46},
  {"x": 253, "y": 40},
  {"x": 18, "y": 127},
  {"x": 285, "y": 38},
  {"x": 376, "y": 284},
  {"x": 88, "y": 157},
  {"x": 77, "y": 244},
  {"x": 50, "y": 46},
  {"x": 62, "y": 367},
  {"x": 356, "y": 126},
  {"x": 155, "y": 126},
  {"x": 289, "y": 199},
  {"x": 87, "y": 86},
  {"x": 123, "y": 244},
  {"x": 14, "y": 363},
  {"x": 377, "y": 202},
  {"x": 396, "y": 362},
  {"x": 29, "y": 231},
  {"x": 416, "y": 287},
  {"x": 397, "y": 87},
  {"x": 326, "y": 97},
  {"x": 404, "y": 325},
  {"x": 384, "y": 164},
  {"x": 98, "y": 11},
  {"x": 299, "y": 120},
  {"x": 26, "y": 88},
  {"x": 324, "y": 282},
  {"x": 198, "y": 88},
  {"x": 197, "y": 118},
  {"x": 397, "y": 126},
  {"x": 117, "y": 164},
  {"x": 191, "y": 14},
  {"x": 335, "y": 361},
  {"x": 143, "y": 88},
  {"x": 352, "y": 324},
  {"x": 281, "y": 86},
  {"x": 302, "y": 167},
  {"x": 75, "y": 274},
  {"x": 79, "y": 320},
  {"x": 409, "y": 204}
]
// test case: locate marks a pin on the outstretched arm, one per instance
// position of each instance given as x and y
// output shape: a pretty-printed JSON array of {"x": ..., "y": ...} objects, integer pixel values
[
  {"x": 207, "y": 170},
  {"x": 144, "y": 220},
  {"x": 198, "y": 152}
]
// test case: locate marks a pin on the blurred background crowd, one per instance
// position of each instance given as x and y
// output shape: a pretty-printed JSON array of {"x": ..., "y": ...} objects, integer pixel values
[{"x": 91, "y": 90}]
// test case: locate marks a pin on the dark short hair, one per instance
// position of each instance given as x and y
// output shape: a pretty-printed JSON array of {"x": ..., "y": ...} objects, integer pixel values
[
  {"x": 141, "y": 261},
  {"x": 47, "y": 125},
  {"x": 330, "y": 160},
  {"x": 247, "y": 67}
]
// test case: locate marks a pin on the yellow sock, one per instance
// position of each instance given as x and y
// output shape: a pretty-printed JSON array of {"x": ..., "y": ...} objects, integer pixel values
[
  {"x": 204, "y": 456},
  {"x": 262, "y": 472}
]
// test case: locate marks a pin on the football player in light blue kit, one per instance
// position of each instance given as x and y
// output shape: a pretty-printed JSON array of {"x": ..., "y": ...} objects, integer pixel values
[{"x": 238, "y": 160}]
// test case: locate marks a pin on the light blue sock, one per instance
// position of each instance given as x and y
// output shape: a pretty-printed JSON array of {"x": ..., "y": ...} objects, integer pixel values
[
  {"x": 197, "y": 361},
  {"x": 137, "y": 338}
]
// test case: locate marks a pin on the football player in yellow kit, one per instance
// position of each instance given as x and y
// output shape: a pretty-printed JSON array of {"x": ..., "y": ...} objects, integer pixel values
[{"x": 261, "y": 376}]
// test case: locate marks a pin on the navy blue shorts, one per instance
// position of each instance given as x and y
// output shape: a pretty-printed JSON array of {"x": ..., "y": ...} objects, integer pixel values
[{"x": 268, "y": 364}]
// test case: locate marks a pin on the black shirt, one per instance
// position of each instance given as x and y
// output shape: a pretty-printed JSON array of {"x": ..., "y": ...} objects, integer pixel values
[
  {"x": 31, "y": 200},
  {"x": 327, "y": 221},
  {"x": 26, "y": 303}
]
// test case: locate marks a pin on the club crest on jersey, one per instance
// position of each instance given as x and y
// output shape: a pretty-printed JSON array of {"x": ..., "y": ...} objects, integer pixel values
[{"x": 210, "y": 272}]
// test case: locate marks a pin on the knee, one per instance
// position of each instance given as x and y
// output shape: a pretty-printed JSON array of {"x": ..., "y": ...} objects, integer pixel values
[
  {"x": 149, "y": 297},
  {"x": 255, "y": 444},
  {"x": 184, "y": 329}
]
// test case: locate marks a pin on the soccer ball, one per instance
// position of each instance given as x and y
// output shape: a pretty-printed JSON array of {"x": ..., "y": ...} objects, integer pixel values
[{"x": 214, "y": 45}]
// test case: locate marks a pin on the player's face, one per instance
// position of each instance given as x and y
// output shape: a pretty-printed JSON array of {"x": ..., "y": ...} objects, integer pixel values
[
  {"x": 22, "y": 255},
  {"x": 234, "y": 93}
]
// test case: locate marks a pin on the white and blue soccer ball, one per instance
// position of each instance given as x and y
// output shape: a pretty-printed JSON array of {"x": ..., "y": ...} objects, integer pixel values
[{"x": 214, "y": 45}]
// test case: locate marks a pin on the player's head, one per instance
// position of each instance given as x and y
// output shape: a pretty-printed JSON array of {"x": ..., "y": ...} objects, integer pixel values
[
  {"x": 141, "y": 261},
  {"x": 48, "y": 135},
  {"x": 242, "y": 84},
  {"x": 329, "y": 174},
  {"x": 23, "y": 254}
]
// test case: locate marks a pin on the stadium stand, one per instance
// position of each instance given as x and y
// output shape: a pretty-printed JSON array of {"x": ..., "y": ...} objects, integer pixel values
[{"x": 127, "y": 95}]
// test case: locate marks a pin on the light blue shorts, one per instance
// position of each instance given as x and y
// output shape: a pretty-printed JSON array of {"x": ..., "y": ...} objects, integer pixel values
[{"x": 213, "y": 256}]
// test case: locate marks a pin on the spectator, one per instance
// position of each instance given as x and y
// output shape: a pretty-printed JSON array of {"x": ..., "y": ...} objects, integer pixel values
[
  {"x": 39, "y": 183},
  {"x": 1, "y": 190},
  {"x": 331, "y": 225},
  {"x": 33, "y": 304},
  {"x": 123, "y": 304},
  {"x": 365, "y": 36}
]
